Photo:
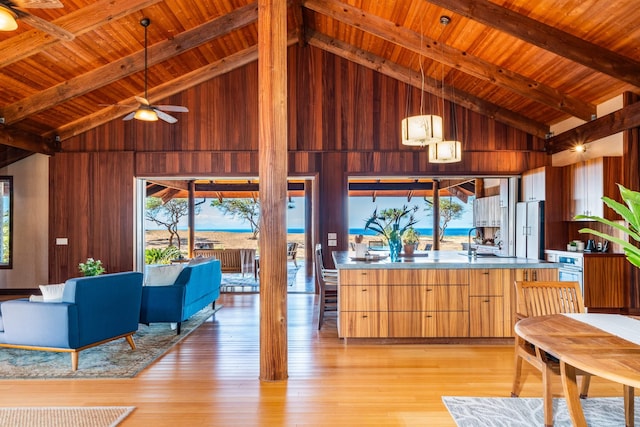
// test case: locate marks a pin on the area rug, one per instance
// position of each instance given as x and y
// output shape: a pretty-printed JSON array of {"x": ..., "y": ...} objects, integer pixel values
[
  {"x": 529, "y": 412},
  {"x": 100, "y": 416},
  {"x": 114, "y": 359},
  {"x": 238, "y": 282}
]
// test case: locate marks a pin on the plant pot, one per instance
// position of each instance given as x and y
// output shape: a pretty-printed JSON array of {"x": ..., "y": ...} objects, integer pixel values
[{"x": 409, "y": 249}]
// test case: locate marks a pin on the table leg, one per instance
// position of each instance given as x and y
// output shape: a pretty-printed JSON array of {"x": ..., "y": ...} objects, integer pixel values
[
  {"x": 629, "y": 417},
  {"x": 570, "y": 387}
]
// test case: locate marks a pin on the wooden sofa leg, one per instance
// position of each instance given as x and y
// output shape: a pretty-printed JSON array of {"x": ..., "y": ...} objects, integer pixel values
[
  {"x": 129, "y": 339},
  {"x": 74, "y": 360}
]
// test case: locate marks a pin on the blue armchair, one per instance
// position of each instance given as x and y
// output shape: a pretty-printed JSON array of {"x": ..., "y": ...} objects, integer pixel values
[
  {"x": 94, "y": 310},
  {"x": 197, "y": 286}
]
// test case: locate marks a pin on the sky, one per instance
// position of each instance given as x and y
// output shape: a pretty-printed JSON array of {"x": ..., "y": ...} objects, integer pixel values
[{"x": 360, "y": 208}]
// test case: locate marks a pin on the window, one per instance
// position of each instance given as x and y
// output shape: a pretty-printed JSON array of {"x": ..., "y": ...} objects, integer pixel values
[{"x": 6, "y": 207}]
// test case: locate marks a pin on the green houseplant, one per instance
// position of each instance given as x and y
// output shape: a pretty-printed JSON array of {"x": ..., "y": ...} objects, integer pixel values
[
  {"x": 410, "y": 238},
  {"x": 91, "y": 267},
  {"x": 630, "y": 211}
]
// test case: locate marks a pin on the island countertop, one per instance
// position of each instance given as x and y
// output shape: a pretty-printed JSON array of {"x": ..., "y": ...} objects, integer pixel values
[{"x": 437, "y": 260}]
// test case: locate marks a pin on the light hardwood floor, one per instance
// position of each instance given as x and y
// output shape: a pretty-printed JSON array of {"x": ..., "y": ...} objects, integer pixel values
[{"x": 211, "y": 378}]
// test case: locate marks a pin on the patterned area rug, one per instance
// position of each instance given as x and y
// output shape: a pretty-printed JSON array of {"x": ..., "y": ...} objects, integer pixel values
[
  {"x": 525, "y": 412},
  {"x": 102, "y": 416},
  {"x": 114, "y": 359},
  {"x": 237, "y": 282}
]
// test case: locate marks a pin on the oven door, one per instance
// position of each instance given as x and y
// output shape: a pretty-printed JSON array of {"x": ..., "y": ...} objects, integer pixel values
[{"x": 571, "y": 274}]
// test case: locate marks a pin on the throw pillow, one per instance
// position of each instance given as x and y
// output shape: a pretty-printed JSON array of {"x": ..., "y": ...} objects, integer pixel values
[
  {"x": 162, "y": 275},
  {"x": 52, "y": 293}
]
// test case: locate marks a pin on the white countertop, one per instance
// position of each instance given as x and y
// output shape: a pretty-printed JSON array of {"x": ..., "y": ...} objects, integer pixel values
[{"x": 438, "y": 259}]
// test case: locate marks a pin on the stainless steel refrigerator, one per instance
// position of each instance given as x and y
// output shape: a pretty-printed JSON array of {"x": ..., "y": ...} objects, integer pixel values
[{"x": 530, "y": 230}]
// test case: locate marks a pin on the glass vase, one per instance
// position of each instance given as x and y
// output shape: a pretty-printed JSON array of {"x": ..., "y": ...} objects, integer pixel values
[{"x": 395, "y": 246}]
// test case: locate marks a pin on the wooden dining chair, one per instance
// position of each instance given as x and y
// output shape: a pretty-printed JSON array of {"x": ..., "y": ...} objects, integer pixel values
[
  {"x": 327, "y": 286},
  {"x": 540, "y": 299}
]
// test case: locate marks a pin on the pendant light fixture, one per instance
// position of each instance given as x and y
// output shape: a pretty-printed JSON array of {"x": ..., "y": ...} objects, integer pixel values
[
  {"x": 446, "y": 151},
  {"x": 7, "y": 20},
  {"x": 145, "y": 112},
  {"x": 423, "y": 129}
]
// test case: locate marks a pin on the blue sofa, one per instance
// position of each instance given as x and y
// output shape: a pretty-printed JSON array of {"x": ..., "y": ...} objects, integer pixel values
[
  {"x": 93, "y": 310},
  {"x": 195, "y": 287}
]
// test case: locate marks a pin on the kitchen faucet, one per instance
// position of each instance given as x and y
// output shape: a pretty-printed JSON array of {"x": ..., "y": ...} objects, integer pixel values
[{"x": 469, "y": 251}]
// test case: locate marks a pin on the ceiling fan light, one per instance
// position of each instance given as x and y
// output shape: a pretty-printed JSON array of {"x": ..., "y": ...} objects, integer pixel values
[
  {"x": 7, "y": 20},
  {"x": 146, "y": 115},
  {"x": 421, "y": 130},
  {"x": 445, "y": 152}
]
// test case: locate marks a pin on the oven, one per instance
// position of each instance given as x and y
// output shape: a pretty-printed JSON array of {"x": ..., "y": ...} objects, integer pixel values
[{"x": 571, "y": 269}]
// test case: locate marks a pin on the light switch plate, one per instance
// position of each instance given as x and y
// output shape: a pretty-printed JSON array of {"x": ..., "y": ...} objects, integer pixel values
[
  {"x": 332, "y": 236},
  {"x": 61, "y": 241},
  {"x": 333, "y": 243}
]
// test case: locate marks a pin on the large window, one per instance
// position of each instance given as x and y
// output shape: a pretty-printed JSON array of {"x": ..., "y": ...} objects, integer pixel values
[{"x": 6, "y": 207}]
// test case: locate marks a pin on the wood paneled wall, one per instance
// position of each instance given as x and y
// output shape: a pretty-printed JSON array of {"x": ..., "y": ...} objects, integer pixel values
[
  {"x": 91, "y": 204},
  {"x": 343, "y": 119}
]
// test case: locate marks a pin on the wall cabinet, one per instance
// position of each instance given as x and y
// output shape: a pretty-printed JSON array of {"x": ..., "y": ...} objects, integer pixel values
[
  {"x": 587, "y": 183},
  {"x": 533, "y": 185},
  {"x": 487, "y": 212}
]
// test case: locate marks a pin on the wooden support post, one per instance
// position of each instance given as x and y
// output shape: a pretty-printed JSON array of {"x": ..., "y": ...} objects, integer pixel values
[
  {"x": 272, "y": 153},
  {"x": 191, "y": 219},
  {"x": 436, "y": 215}
]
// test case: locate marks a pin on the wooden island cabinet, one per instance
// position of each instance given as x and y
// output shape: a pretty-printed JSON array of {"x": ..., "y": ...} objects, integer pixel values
[{"x": 445, "y": 296}]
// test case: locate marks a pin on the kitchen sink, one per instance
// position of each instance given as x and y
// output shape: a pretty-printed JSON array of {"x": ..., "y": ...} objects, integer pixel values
[{"x": 487, "y": 255}]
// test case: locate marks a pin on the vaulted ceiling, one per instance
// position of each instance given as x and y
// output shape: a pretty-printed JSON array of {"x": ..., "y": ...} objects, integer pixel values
[{"x": 526, "y": 63}]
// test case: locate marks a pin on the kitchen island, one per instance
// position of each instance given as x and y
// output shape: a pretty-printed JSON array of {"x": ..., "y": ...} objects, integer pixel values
[{"x": 434, "y": 294}]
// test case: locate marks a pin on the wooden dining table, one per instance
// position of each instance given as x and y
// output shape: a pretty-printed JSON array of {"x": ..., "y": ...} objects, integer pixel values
[{"x": 593, "y": 343}]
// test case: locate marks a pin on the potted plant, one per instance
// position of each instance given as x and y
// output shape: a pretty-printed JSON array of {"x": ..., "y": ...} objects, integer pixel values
[
  {"x": 391, "y": 224},
  {"x": 630, "y": 213},
  {"x": 91, "y": 267},
  {"x": 410, "y": 238}
]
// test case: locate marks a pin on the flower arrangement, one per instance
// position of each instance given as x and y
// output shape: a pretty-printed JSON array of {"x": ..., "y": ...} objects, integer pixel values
[
  {"x": 392, "y": 222},
  {"x": 631, "y": 214},
  {"x": 91, "y": 267}
]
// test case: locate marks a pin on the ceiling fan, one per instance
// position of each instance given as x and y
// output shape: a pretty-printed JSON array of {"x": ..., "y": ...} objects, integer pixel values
[
  {"x": 10, "y": 10},
  {"x": 146, "y": 111}
]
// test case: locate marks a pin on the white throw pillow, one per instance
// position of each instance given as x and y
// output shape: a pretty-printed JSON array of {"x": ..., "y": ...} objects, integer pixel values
[
  {"x": 162, "y": 275},
  {"x": 52, "y": 293}
]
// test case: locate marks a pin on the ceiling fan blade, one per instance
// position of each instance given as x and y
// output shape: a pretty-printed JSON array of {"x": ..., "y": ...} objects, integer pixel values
[
  {"x": 38, "y": 4},
  {"x": 129, "y": 116},
  {"x": 142, "y": 100},
  {"x": 164, "y": 116},
  {"x": 174, "y": 108},
  {"x": 44, "y": 26}
]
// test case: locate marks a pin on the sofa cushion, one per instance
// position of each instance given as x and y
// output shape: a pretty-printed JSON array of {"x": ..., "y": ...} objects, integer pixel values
[
  {"x": 162, "y": 275},
  {"x": 52, "y": 293}
]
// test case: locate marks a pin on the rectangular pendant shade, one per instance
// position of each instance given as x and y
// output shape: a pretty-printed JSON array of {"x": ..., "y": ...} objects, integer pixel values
[
  {"x": 421, "y": 130},
  {"x": 445, "y": 152}
]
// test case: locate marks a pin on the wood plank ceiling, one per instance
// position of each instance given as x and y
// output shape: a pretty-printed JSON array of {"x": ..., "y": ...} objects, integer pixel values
[{"x": 528, "y": 64}]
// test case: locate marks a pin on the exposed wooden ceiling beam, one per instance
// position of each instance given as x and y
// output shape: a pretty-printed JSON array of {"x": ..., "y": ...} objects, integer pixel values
[
  {"x": 131, "y": 64},
  {"x": 10, "y": 155},
  {"x": 413, "y": 78},
  {"x": 162, "y": 91},
  {"x": 618, "y": 121},
  {"x": 78, "y": 22},
  {"x": 546, "y": 37},
  {"x": 27, "y": 141},
  {"x": 452, "y": 57}
]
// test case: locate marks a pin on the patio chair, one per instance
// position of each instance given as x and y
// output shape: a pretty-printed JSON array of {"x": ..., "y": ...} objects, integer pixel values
[
  {"x": 540, "y": 299},
  {"x": 292, "y": 252},
  {"x": 376, "y": 244},
  {"x": 327, "y": 284}
]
